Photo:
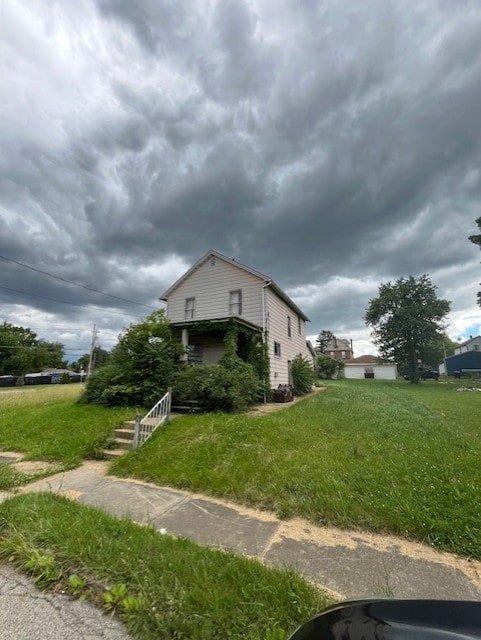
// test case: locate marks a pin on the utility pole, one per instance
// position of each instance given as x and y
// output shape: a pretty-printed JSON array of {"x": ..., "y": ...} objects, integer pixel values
[{"x": 92, "y": 347}]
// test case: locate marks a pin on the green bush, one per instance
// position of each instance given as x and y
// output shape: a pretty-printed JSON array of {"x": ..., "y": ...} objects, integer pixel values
[
  {"x": 302, "y": 375},
  {"x": 65, "y": 379},
  {"x": 140, "y": 367},
  {"x": 326, "y": 367},
  {"x": 216, "y": 387}
]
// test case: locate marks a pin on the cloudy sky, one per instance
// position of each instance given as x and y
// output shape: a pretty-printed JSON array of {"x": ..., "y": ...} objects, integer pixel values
[{"x": 332, "y": 145}]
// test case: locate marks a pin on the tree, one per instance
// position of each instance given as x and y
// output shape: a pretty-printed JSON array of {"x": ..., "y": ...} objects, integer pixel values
[
  {"x": 100, "y": 358},
  {"x": 327, "y": 367},
  {"x": 22, "y": 352},
  {"x": 140, "y": 367},
  {"x": 476, "y": 239},
  {"x": 322, "y": 340},
  {"x": 405, "y": 317}
]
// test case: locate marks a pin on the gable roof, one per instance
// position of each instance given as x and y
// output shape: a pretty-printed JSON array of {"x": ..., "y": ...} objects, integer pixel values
[
  {"x": 265, "y": 279},
  {"x": 466, "y": 342},
  {"x": 366, "y": 359}
]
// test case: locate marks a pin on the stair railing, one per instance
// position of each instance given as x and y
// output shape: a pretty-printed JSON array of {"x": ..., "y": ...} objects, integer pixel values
[{"x": 145, "y": 427}]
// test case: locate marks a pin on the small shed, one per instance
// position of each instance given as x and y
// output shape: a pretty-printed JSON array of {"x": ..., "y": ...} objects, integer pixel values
[{"x": 369, "y": 367}]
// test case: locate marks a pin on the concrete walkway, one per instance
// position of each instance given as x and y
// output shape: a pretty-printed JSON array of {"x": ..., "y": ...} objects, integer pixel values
[{"x": 349, "y": 564}]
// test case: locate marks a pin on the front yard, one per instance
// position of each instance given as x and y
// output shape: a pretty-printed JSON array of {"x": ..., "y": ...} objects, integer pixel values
[{"x": 381, "y": 456}]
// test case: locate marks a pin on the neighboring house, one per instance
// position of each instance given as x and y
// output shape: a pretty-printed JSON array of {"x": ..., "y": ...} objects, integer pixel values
[
  {"x": 473, "y": 344},
  {"x": 466, "y": 362},
  {"x": 218, "y": 291},
  {"x": 339, "y": 349},
  {"x": 370, "y": 367}
]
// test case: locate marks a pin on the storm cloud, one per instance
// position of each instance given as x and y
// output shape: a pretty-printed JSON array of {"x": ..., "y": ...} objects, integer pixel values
[{"x": 332, "y": 146}]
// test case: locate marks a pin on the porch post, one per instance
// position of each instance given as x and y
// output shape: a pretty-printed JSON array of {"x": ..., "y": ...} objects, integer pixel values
[{"x": 185, "y": 344}]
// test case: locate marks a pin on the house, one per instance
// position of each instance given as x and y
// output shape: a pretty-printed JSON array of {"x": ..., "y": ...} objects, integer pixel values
[
  {"x": 339, "y": 349},
  {"x": 218, "y": 293},
  {"x": 466, "y": 358},
  {"x": 473, "y": 344},
  {"x": 370, "y": 367}
]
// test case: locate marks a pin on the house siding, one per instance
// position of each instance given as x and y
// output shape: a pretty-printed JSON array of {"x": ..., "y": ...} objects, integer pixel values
[
  {"x": 277, "y": 312},
  {"x": 474, "y": 344},
  {"x": 210, "y": 285}
]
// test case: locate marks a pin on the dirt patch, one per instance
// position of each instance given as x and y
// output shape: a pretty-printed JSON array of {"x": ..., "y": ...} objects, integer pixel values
[{"x": 34, "y": 466}]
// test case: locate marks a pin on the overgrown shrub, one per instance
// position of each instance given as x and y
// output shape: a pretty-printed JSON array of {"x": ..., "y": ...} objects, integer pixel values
[
  {"x": 65, "y": 379},
  {"x": 140, "y": 367},
  {"x": 216, "y": 387},
  {"x": 302, "y": 375},
  {"x": 326, "y": 367}
]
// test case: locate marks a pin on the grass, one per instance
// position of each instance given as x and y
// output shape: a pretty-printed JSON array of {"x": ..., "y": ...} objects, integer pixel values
[
  {"x": 46, "y": 423},
  {"x": 383, "y": 456},
  {"x": 161, "y": 586}
]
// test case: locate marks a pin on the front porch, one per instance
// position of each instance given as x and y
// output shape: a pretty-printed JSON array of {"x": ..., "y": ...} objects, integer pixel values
[{"x": 207, "y": 342}]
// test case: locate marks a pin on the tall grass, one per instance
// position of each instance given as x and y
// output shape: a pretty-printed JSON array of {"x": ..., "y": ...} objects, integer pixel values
[
  {"x": 384, "y": 456},
  {"x": 46, "y": 423}
]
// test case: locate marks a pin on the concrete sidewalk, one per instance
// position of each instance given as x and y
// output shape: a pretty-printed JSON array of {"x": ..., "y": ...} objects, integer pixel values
[{"x": 351, "y": 565}]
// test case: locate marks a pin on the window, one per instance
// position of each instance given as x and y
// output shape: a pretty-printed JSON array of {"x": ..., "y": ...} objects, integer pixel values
[
  {"x": 343, "y": 354},
  {"x": 277, "y": 349},
  {"x": 235, "y": 302},
  {"x": 189, "y": 308},
  {"x": 299, "y": 325},
  {"x": 289, "y": 331}
]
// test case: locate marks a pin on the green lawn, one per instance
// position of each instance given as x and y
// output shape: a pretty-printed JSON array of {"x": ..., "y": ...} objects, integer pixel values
[
  {"x": 382, "y": 456},
  {"x": 162, "y": 587},
  {"x": 46, "y": 423}
]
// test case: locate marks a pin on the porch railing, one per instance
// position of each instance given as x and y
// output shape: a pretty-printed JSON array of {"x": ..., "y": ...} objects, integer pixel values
[{"x": 145, "y": 427}]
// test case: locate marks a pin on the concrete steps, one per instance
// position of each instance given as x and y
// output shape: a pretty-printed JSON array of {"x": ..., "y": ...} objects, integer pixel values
[{"x": 124, "y": 440}]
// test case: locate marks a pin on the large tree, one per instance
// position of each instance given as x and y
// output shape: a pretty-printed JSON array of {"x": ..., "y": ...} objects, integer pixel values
[
  {"x": 22, "y": 352},
  {"x": 476, "y": 239},
  {"x": 405, "y": 317}
]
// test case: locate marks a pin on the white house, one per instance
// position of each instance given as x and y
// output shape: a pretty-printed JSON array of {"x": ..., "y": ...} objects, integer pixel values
[
  {"x": 369, "y": 367},
  {"x": 473, "y": 344},
  {"x": 217, "y": 291}
]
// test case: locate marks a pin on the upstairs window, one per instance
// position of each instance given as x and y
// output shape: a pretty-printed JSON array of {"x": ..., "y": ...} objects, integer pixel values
[
  {"x": 299, "y": 325},
  {"x": 189, "y": 309},
  {"x": 235, "y": 302},
  {"x": 277, "y": 349},
  {"x": 289, "y": 328}
]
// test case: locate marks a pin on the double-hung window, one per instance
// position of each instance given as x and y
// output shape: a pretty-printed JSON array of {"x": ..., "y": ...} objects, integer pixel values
[
  {"x": 289, "y": 329},
  {"x": 235, "y": 302},
  {"x": 189, "y": 309}
]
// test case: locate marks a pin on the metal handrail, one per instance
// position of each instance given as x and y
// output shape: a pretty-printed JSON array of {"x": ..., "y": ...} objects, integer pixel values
[{"x": 145, "y": 427}]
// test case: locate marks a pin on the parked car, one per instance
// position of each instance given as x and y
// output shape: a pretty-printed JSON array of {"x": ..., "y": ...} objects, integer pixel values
[
  {"x": 425, "y": 374},
  {"x": 429, "y": 374}
]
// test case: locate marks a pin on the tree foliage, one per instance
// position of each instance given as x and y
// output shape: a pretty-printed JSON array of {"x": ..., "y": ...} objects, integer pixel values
[
  {"x": 405, "y": 317},
  {"x": 141, "y": 365},
  {"x": 100, "y": 359},
  {"x": 327, "y": 367},
  {"x": 21, "y": 351},
  {"x": 476, "y": 239},
  {"x": 322, "y": 340}
]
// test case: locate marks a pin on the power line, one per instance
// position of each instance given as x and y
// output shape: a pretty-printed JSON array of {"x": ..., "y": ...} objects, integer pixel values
[
  {"x": 76, "y": 284},
  {"x": 75, "y": 304}
]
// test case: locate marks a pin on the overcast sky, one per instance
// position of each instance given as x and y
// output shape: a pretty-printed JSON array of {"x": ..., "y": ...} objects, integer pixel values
[{"x": 331, "y": 145}]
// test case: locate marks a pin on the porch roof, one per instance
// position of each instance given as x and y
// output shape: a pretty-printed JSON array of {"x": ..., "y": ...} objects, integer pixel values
[{"x": 186, "y": 324}]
